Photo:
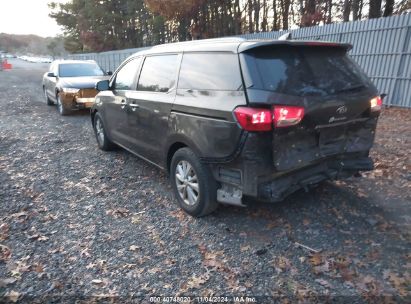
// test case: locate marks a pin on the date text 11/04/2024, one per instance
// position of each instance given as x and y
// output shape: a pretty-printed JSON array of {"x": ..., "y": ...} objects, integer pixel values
[{"x": 239, "y": 299}]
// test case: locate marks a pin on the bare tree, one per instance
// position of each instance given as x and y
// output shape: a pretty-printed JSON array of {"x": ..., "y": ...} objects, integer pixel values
[
  {"x": 389, "y": 8},
  {"x": 375, "y": 9},
  {"x": 346, "y": 10}
]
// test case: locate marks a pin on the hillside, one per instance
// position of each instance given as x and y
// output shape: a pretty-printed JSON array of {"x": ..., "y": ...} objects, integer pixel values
[{"x": 31, "y": 44}]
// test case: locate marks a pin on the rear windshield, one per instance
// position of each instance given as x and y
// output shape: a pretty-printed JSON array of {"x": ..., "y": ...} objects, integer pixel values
[
  {"x": 79, "y": 69},
  {"x": 304, "y": 71}
]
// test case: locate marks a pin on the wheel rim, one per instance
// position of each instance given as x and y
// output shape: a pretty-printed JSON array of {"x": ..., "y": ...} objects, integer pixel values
[
  {"x": 59, "y": 105},
  {"x": 187, "y": 183},
  {"x": 99, "y": 131}
]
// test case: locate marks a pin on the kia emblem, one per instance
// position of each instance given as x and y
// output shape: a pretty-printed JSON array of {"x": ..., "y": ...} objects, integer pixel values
[{"x": 342, "y": 110}]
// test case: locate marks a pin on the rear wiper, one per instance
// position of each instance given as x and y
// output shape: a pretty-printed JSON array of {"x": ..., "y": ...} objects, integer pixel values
[{"x": 352, "y": 88}]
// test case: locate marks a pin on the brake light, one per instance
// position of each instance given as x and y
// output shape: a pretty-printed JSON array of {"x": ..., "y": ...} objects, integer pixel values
[
  {"x": 285, "y": 116},
  {"x": 254, "y": 119},
  {"x": 376, "y": 104}
]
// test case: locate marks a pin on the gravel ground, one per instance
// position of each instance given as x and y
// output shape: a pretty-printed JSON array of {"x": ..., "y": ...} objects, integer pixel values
[{"x": 78, "y": 224}]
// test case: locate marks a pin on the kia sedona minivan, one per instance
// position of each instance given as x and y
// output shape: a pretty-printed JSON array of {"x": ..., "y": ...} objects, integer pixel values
[{"x": 232, "y": 118}]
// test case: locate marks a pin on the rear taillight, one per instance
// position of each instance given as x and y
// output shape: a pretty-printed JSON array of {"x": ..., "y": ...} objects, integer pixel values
[
  {"x": 254, "y": 119},
  {"x": 285, "y": 116},
  {"x": 376, "y": 104},
  {"x": 260, "y": 119}
]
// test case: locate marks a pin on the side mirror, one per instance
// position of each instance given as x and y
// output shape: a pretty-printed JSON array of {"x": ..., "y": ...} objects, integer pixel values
[
  {"x": 50, "y": 74},
  {"x": 109, "y": 73},
  {"x": 102, "y": 85}
]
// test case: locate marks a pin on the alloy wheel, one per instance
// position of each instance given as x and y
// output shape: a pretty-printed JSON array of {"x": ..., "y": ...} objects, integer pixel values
[
  {"x": 99, "y": 131},
  {"x": 187, "y": 183}
]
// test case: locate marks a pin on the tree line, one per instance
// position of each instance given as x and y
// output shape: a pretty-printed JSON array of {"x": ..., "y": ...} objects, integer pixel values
[
  {"x": 100, "y": 25},
  {"x": 31, "y": 44}
]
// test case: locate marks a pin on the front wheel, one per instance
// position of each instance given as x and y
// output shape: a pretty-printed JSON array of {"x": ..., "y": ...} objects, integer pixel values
[
  {"x": 193, "y": 184},
  {"x": 104, "y": 143},
  {"x": 61, "y": 107},
  {"x": 48, "y": 100}
]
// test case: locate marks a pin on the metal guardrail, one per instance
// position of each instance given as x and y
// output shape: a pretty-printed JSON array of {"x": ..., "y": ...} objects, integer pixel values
[{"x": 382, "y": 47}]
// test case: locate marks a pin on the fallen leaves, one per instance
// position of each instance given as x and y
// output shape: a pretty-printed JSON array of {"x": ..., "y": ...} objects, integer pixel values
[
  {"x": 18, "y": 268},
  {"x": 134, "y": 248},
  {"x": 342, "y": 262},
  {"x": 281, "y": 264},
  {"x": 90, "y": 266},
  {"x": 306, "y": 222},
  {"x": 196, "y": 281},
  {"x": 13, "y": 296},
  {"x": 323, "y": 282},
  {"x": 401, "y": 284},
  {"x": 43, "y": 238},
  {"x": 118, "y": 212},
  {"x": 5, "y": 253},
  {"x": 38, "y": 237},
  {"x": 4, "y": 231},
  {"x": 154, "y": 270},
  {"x": 215, "y": 261},
  {"x": 38, "y": 268},
  {"x": 245, "y": 248},
  {"x": 212, "y": 260},
  {"x": 316, "y": 259},
  {"x": 20, "y": 216},
  {"x": 137, "y": 217}
]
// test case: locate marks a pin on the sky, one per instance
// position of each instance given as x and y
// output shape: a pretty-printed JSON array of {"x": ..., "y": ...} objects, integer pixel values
[{"x": 28, "y": 17}]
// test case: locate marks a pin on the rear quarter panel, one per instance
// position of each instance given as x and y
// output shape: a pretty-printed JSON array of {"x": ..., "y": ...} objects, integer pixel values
[{"x": 203, "y": 120}]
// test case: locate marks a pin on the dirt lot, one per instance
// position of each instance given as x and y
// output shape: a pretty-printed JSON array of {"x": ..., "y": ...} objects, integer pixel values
[{"x": 78, "y": 224}]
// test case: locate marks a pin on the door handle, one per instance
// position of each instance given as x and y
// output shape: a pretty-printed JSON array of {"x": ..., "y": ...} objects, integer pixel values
[{"x": 134, "y": 106}]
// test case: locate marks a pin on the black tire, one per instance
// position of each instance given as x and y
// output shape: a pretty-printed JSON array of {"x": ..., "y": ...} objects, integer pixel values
[
  {"x": 206, "y": 201},
  {"x": 48, "y": 100},
  {"x": 103, "y": 142},
  {"x": 60, "y": 107}
]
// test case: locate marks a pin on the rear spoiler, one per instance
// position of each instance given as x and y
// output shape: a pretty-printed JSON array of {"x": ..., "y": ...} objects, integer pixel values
[{"x": 253, "y": 44}]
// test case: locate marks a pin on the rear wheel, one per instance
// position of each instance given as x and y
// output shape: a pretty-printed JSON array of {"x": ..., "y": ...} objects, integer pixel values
[
  {"x": 48, "y": 100},
  {"x": 193, "y": 184},
  {"x": 104, "y": 143},
  {"x": 61, "y": 107}
]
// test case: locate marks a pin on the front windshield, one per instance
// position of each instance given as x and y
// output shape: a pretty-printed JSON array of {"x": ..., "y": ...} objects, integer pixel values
[{"x": 79, "y": 69}]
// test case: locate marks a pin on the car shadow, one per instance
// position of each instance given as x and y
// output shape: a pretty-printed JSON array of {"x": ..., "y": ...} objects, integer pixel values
[{"x": 332, "y": 217}]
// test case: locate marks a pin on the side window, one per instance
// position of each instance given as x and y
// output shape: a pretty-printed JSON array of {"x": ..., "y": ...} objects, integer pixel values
[
  {"x": 126, "y": 76},
  {"x": 208, "y": 71},
  {"x": 158, "y": 73}
]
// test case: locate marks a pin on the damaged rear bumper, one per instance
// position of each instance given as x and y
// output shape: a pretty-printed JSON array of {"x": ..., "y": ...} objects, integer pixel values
[
  {"x": 332, "y": 169},
  {"x": 273, "y": 186},
  {"x": 255, "y": 174}
]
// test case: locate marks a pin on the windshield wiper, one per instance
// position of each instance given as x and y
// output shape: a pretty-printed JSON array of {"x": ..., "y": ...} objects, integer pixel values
[{"x": 351, "y": 88}]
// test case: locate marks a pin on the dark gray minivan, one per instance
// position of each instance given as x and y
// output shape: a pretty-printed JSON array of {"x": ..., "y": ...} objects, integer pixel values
[{"x": 233, "y": 118}]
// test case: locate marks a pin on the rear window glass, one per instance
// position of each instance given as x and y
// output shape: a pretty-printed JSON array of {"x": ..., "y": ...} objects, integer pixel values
[
  {"x": 79, "y": 69},
  {"x": 201, "y": 71},
  {"x": 303, "y": 71},
  {"x": 158, "y": 73}
]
